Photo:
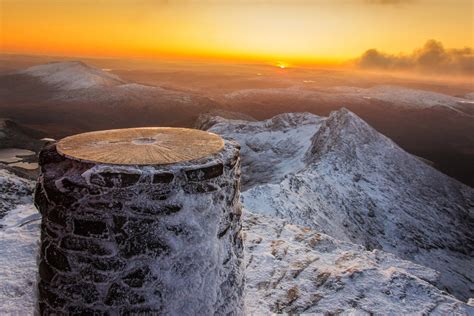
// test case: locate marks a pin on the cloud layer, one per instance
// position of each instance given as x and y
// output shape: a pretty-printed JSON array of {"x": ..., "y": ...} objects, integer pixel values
[{"x": 431, "y": 58}]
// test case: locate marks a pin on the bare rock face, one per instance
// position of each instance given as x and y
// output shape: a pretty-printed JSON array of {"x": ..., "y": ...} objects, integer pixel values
[{"x": 163, "y": 239}]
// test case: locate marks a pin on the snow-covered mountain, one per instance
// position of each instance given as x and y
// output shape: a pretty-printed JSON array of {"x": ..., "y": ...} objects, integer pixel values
[
  {"x": 289, "y": 269},
  {"x": 356, "y": 185},
  {"x": 72, "y": 75},
  {"x": 270, "y": 149},
  {"x": 64, "y": 98},
  {"x": 409, "y": 98},
  {"x": 395, "y": 96},
  {"x": 77, "y": 81}
]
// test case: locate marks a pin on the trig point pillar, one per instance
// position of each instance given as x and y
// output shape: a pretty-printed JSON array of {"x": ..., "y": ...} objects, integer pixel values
[{"x": 140, "y": 221}]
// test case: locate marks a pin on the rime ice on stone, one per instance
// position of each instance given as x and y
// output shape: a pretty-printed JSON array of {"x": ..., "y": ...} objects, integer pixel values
[{"x": 145, "y": 238}]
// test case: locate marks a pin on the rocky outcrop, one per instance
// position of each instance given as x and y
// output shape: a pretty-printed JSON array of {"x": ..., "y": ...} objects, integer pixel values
[
  {"x": 295, "y": 270},
  {"x": 161, "y": 239}
]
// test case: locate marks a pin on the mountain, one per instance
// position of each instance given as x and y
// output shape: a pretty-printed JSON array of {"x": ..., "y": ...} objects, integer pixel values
[
  {"x": 64, "y": 98},
  {"x": 396, "y": 96},
  {"x": 432, "y": 125},
  {"x": 270, "y": 149},
  {"x": 289, "y": 269},
  {"x": 72, "y": 75},
  {"x": 356, "y": 185},
  {"x": 13, "y": 134}
]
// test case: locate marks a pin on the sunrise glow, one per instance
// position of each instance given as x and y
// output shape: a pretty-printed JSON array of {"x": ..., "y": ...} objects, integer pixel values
[{"x": 320, "y": 31}]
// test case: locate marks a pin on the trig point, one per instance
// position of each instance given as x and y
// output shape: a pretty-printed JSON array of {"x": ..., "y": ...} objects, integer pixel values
[
  {"x": 141, "y": 146},
  {"x": 140, "y": 221}
]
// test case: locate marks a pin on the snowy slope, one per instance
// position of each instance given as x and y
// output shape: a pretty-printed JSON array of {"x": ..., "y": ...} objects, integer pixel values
[
  {"x": 271, "y": 148},
  {"x": 19, "y": 236},
  {"x": 291, "y": 269},
  {"x": 72, "y": 75},
  {"x": 361, "y": 187},
  {"x": 355, "y": 184},
  {"x": 78, "y": 82},
  {"x": 13, "y": 191},
  {"x": 288, "y": 269}
]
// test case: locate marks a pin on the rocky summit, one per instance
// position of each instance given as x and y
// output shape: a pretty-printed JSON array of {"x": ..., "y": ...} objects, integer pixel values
[
  {"x": 348, "y": 181},
  {"x": 338, "y": 219}
]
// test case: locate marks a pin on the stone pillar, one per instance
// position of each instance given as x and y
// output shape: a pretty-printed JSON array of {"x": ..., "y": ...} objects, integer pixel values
[{"x": 134, "y": 238}]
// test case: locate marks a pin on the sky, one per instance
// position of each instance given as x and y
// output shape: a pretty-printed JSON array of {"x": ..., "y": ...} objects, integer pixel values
[{"x": 317, "y": 31}]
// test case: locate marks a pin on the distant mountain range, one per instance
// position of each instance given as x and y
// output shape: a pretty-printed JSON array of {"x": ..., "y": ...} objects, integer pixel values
[
  {"x": 396, "y": 96},
  {"x": 62, "y": 98}
]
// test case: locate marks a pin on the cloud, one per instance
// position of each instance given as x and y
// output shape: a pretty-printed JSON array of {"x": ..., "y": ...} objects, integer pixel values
[{"x": 431, "y": 58}]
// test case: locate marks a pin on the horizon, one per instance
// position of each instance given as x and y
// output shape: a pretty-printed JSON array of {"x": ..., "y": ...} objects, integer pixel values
[{"x": 368, "y": 34}]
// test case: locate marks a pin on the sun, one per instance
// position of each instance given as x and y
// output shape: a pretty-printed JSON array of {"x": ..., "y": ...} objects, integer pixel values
[{"x": 281, "y": 65}]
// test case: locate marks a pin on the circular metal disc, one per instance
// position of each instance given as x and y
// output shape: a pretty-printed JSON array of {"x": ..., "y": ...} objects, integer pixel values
[{"x": 141, "y": 146}]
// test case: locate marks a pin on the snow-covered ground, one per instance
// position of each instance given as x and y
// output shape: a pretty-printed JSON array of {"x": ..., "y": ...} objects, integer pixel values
[
  {"x": 19, "y": 238},
  {"x": 13, "y": 191},
  {"x": 359, "y": 186},
  {"x": 272, "y": 148},
  {"x": 289, "y": 269}
]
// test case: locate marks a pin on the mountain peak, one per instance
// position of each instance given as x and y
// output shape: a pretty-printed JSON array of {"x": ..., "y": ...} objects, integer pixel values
[
  {"x": 342, "y": 130},
  {"x": 72, "y": 75}
]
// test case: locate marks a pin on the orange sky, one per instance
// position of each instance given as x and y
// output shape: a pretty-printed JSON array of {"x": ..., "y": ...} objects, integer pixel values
[{"x": 319, "y": 31}]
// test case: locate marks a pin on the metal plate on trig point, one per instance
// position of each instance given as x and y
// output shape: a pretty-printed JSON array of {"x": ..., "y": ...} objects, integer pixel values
[{"x": 141, "y": 146}]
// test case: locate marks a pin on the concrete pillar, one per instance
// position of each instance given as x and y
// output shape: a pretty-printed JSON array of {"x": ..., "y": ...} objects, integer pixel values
[{"x": 128, "y": 236}]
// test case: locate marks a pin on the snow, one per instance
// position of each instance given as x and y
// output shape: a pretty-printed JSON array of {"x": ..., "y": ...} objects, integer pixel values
[
  {"x": 404, "y": 96},
  {"x": 75, "y": 81},
  {"x": 18, "y": 250},
  {"x": 270, "y": 148},
  {"x": 359, "y": 186},
  {"x": 13, "y": 191},
  {"x": 395, "y": 95},
  {"x": 72, "y": 75},
  {"x": 339, "y": 220},
  {"x": 288, "y": 269},
  {"x": 292, "y": 269}
]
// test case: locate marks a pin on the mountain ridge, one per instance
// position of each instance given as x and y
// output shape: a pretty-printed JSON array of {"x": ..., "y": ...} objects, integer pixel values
[
  {"x": 357, "y": 185},
  {"x": 72, "y": 75}
]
